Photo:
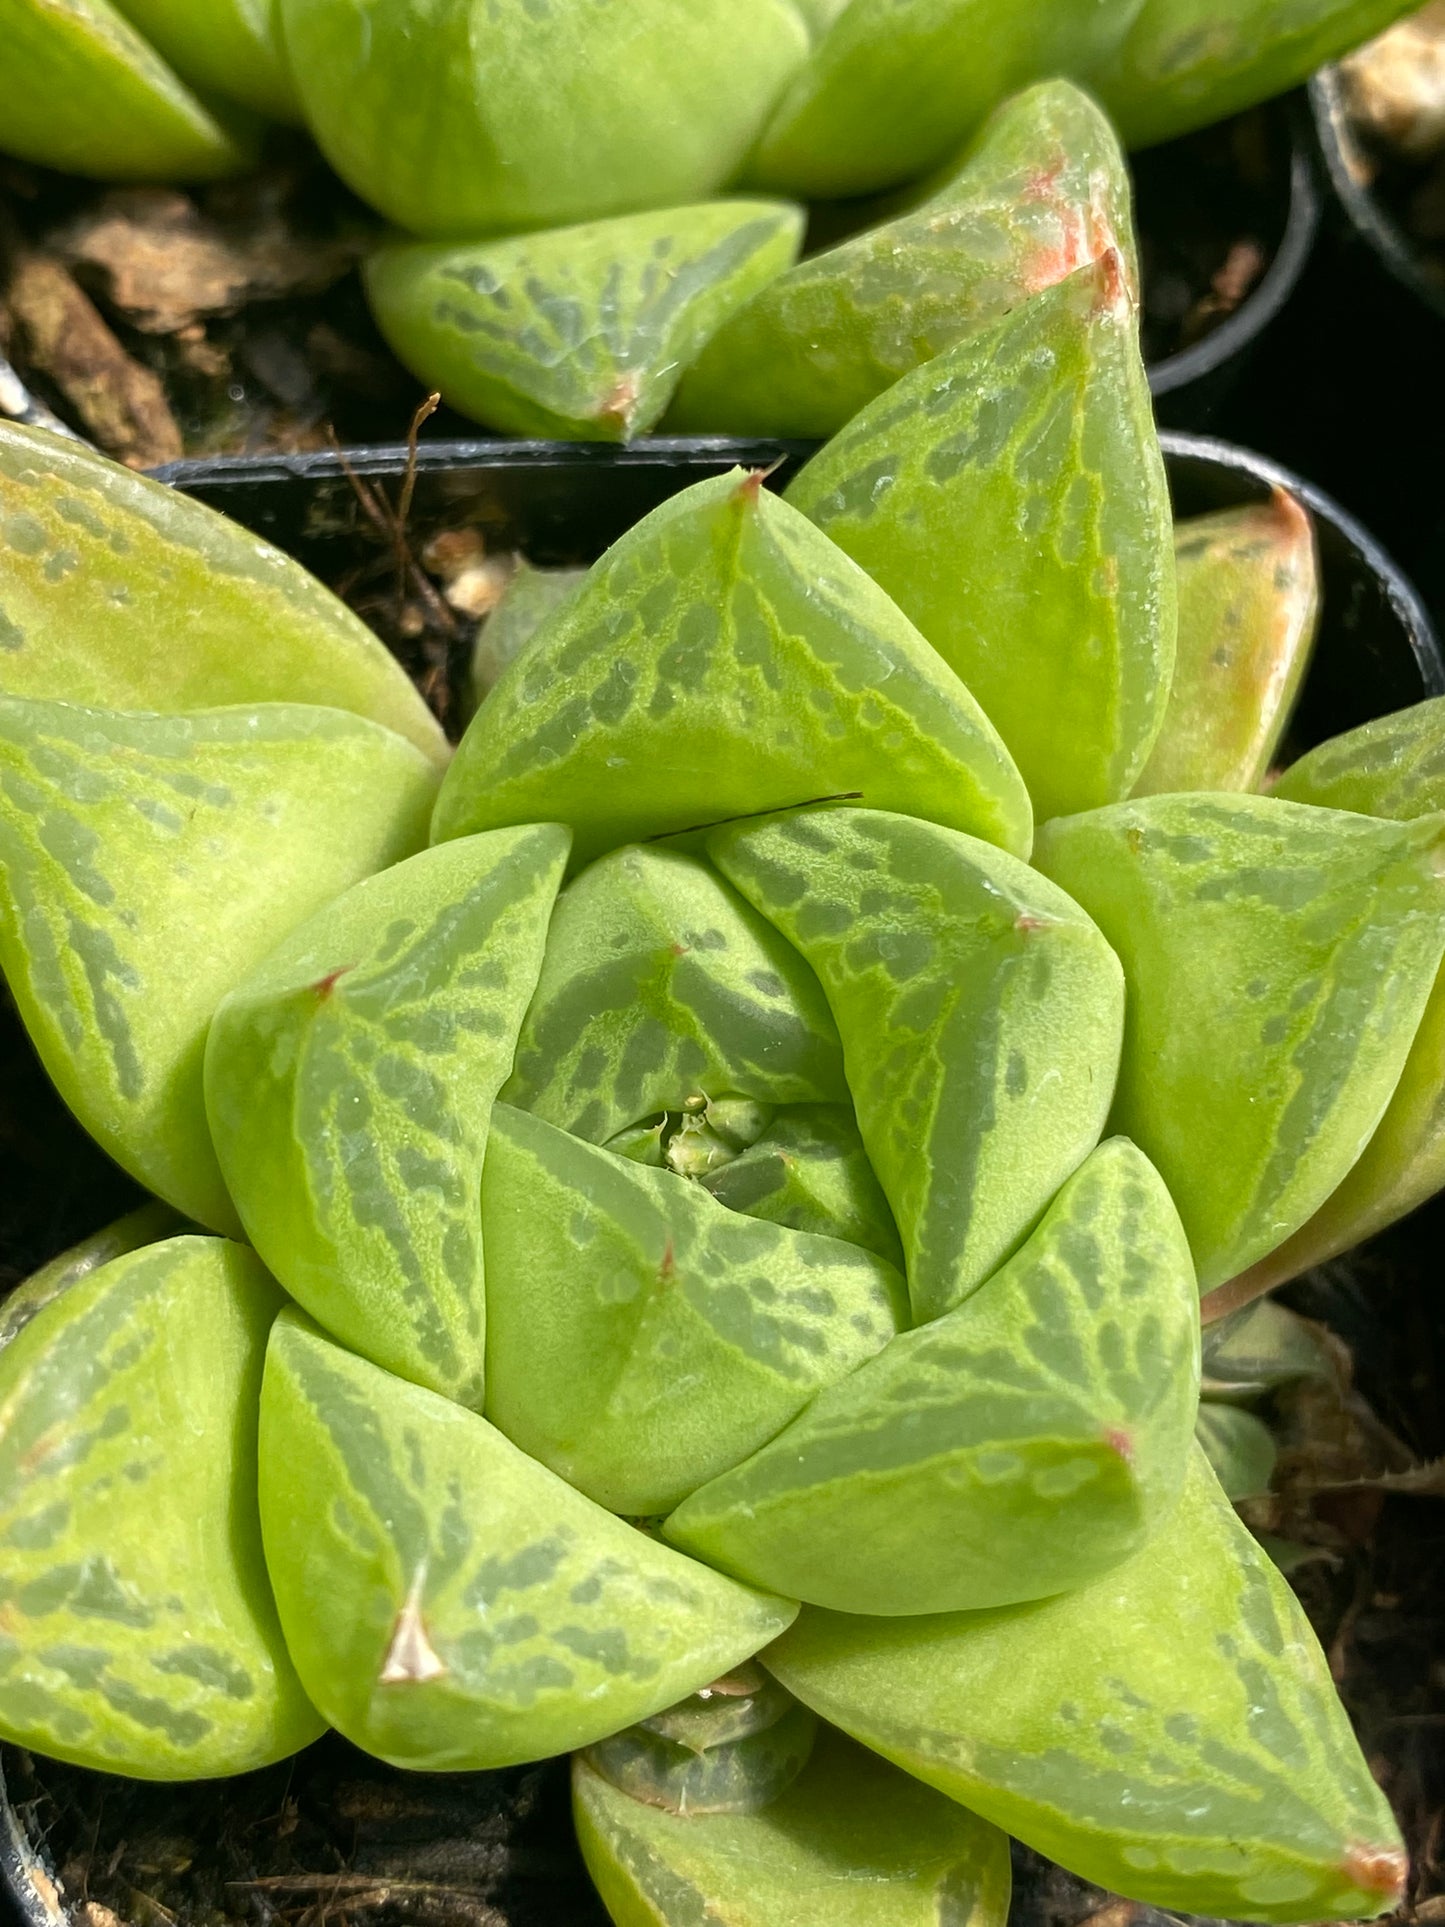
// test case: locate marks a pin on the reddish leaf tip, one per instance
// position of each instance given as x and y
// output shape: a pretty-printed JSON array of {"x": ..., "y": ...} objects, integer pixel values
[
  {"x": 1121, "y": 1442},
  {"x": 1377, "y": 1870},
  {"x": 324, "y": 986}
]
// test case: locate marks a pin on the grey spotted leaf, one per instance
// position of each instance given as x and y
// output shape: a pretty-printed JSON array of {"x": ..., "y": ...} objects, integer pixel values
[
  {"x": 450, "y": 1604},
  {"x": 349, "y": 1088},
  {"x": 642, "y": 1337},
  {"x": 809, "y": 1170}
]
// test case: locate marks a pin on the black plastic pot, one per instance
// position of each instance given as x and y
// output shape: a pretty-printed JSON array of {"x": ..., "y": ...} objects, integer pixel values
[
  {"x": 562, "y": 503},
  {"x": 1348, "y": 172},
  {"x": 1191, "y": 386}
]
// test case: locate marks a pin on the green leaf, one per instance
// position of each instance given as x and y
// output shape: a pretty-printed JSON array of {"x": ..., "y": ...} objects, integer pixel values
[
  {"x": 1240, "y": 1449},
  {"x": 1278, "y": 960},
  {"x": 1249, "y": 604},
  {"x": 450, "y": 1604},
  {"x": 349, "y": 1087},
  {"x": 809, "y": 1171},
  {"x": 1393, "y": 767},
  {"x": 898, "y": 84},
  {"x": 851, "y": 1843},
  {"x": 227, "y": 47},
  {"x": 1170, "y": 1731},
  {"x": 464, "y": 117},
  {"x": 524, "y": 605},
  {"x": 1019, "y": 1445},
  {"x": 137, "y": 1630},
  {"x": 1186, "y": 63},
  {"x": 659, "y": 982},
  {"x": 697, "y": 1775},
  {"x": 1010, "y": 497},
  {"x": 641, "y": 1337},
  {"x": 1260, "y": 1348},
  {"x": 723, "y": 659},
  {"x": 147, "y": 864},
  {"x": 580, "y": 332},
  {"x": 981, "y": 1015},
  {"x": 121, "y": 593},
  {"x": 1044, "y": 189},
  {"x": 146, "y": 1225},
  {"x": 84, "y": 92}
]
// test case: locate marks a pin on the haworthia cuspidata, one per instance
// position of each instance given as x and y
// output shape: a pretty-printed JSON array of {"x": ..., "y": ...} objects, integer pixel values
[
  {"x": 1024, "y": 525},
  {"x": 349, "y": 1088},
  {"x": 149, "y": 862},
  {"x": 981, "y": 1014},
  {"x": 1271, "y": 949},
  {"x": 137, "y": 1629},
  {"x": 642, "y": 1337},
  {"x": 449, "y": 1603},
  {"x": 1170, "y": 1731},
  {"x": 721, "y": 659}
]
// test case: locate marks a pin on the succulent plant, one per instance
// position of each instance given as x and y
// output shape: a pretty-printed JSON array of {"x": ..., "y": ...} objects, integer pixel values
[
  {"x": 693, "y": 1214},
  {"x": 84, "y": 90}
]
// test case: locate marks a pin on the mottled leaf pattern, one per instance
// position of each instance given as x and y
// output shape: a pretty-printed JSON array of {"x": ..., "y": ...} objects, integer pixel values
[
  {"x": 724, "y": 658},
  {"x": 137, "y": 1630},
  {"x": 1270, "y": 949},
  {"x": 1043, "y": 190},
  {"x": 809, "y": 1170},
  {"x": 1392, "y": 768},
  {"x": 528, "y": 599},
  {"x": 851, "y": 1843},
  {"x": 119, "y": 592},
  {"x": 474, "y": 116},
  {"x": 84, "y": 92},
  {"x": 981, "y": 1014},
  {"x": 1019, "y": 1445},
  {"x": 897, "y": 85},
  {"x": 149, "y": 862},
  {"x": 578, "y": 333},
  {"x": 642, "y": 1337},
  {"x": 449, "y": 1603},
  {"x": 1249, "y": 604},
  {"x": 1170, "y": 1731},
  {"x": 697, "y": 1775},
  {"x": 1024, "y": 525},
  {"x": 349, "y": 1088},
  {"x": 661, "y": 981},
  {"x": 146, "y": 1225}
]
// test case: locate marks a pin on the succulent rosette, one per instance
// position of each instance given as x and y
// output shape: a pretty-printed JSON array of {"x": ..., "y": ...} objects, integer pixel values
[{"x": 689, "y": 1224}]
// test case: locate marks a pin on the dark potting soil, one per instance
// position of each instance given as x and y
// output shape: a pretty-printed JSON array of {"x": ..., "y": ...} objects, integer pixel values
[{"x": 230, "y": 319}]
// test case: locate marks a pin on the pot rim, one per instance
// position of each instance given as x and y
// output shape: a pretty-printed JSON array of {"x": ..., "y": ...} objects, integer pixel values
[
  {"x": 1339, "y": 151},
  {"x": 1262, "y": 306}
]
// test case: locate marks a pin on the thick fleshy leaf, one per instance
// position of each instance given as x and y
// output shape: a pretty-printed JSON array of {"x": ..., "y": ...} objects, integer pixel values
[
  {"x": 659, "y": 982},
  {"x": 148, "y": 1224},
  {"x": 147, "y": 865},
  {"x": 981, "y": 1015},
  {"x": 642, "y": 1337},
  {"x": 1279, "y": 959},
  {"x": 1260, "y": 1348},
  {"x": 1043, "y": 190},
  {"x": 1186, "y": 63},
  {"x": 471, "y": 116},
  {"x": 1239, "y": 1447},
  {"x": 1023, "y": 523},
  {"x": 84, "y": 92},
  {"x": 1249, "y": 604},
  {"x": 1170, "y": 1731},
  {"x": 137, "y": 1630},
  {"x": 851, "y": 1843},
  {"x": 226, "y": 47},
  {"x": 580, "y": 332},
  {"x": 809, "y": 1170},
  {"x": 119, "y": 592},
  {"x": 1394, "y": 767},
  {"x": 722, "y": 659},
  {"x": 349, "y": 1088},
  {"x": 449, "y": 1603},
  {"x": 1020, "y": 1445},
  {"x": 524, "y": 605},
  {"x": 898, "y": 84}
]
